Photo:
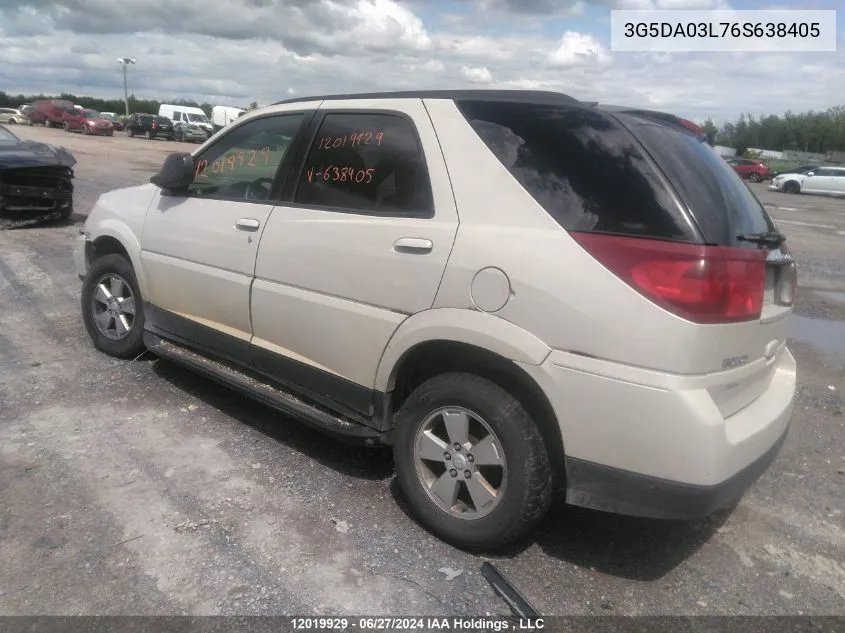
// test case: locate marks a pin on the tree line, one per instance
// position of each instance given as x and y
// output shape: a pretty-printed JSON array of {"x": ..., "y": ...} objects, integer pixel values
[
  {"x": 117, "y": 106},
  {"x": 812, "y": 131}
]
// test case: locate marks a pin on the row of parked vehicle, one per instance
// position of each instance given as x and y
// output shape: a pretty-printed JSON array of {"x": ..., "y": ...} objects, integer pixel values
[
  {"x": 818, "y": 179},
  {"x": 173, "y": 122}
]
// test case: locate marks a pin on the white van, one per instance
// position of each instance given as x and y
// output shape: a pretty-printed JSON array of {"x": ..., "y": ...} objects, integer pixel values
[
  {"x": 221, "y": 116},
  {"x": 186, "y": 114}
]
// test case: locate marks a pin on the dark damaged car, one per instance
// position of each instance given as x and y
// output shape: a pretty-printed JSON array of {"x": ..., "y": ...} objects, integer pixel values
[{"x": 36, "y": 181}]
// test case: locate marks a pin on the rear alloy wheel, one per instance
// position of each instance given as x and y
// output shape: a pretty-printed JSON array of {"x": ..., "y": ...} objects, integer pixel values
[
  {"x": 471, "y": 462},
  {"x": 148, "y": 135},
  {"x": 112, "y": 308},
  {"x": 754, "y": 177},
  {"x": 792, "y": 187}
]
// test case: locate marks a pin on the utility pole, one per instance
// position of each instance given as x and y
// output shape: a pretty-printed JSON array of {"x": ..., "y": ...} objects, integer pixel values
[{"x": 125, "y": 61}]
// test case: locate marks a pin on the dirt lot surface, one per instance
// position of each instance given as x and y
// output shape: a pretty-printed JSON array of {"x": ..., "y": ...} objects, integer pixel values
[{"x": 138, "y": 488}]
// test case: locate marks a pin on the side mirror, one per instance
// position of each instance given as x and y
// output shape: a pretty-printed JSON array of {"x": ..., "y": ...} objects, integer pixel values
[
  {"x": 810, "y": 173},
  {"x": 176, "y": 173}
]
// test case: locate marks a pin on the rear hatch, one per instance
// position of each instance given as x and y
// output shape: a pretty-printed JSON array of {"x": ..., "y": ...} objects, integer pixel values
[
  {"x": 647, "y": 197},
  {"x": 761, "y": 275}
]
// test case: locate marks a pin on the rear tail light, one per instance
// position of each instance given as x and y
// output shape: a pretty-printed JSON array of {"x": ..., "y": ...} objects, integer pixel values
[
  {"x": 153, "y": 126},
  {"x": 704, "y": 284}
]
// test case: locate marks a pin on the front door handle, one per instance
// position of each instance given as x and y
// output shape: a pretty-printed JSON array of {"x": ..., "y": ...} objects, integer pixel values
[
  {"x": 413, "y": 246},
  {"x": 247, "y": 224}
]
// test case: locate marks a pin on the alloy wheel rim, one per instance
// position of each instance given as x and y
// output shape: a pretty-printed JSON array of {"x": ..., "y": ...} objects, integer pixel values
[
  {"x": 460, "y": 463},
  {"x": 113, "y": 307}
]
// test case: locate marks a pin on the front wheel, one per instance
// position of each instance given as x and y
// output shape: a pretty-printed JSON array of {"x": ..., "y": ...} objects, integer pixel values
[
  {"x": 471, "y": 462},
  {"x": 66, "y": 126},
  {"x": 754, "y": 177},
  {"x": 129, "y": 133},
  {"x": 792, "y": 187},
  {"x": 112, "y": 308}
]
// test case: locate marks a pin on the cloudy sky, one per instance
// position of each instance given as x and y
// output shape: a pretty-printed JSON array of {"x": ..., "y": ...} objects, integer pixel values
[{"x": 237, "y": 51}]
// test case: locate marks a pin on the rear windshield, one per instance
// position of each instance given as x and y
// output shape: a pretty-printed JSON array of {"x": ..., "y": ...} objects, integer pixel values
[
  {"x": 161, "y": 119},
  {"x": 722, "y": 204},
  {"x": 582, "y": 166}
]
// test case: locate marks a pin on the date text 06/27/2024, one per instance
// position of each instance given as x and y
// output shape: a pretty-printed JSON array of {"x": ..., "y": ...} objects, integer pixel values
[
  {"x": 780, "y": 30},
  {"x": 451, "y": 623}
]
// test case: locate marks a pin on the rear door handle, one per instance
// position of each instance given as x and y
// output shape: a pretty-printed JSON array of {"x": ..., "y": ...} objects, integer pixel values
[
  {"x": 413, "y": 246},
  {"x": 247, "y": 224}
]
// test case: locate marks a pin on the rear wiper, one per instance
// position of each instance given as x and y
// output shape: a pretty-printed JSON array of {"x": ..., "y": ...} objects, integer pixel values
[{"x": 770, "y": 238}]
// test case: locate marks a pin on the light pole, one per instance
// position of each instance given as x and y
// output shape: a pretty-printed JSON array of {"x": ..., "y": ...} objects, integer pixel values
[{"x": 125, "y": 61}]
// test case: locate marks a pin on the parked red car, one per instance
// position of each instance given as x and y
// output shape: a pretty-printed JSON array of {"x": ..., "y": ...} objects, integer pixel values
[
  {"x": 87, "y": 121},
  {"x": 750, "y": 169}
]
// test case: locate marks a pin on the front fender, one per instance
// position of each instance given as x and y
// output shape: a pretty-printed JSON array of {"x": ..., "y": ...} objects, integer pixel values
[
  {"x": 480, "y": 329},
  {"x": 122, "y": 233}
]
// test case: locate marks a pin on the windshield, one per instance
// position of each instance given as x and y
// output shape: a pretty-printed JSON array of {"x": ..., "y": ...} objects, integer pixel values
[
  {"x": 91, "y": 114},
  {"x": 107, "y": 115},
  {"x": 197, "y": 118},
  {"x": 721, "y": 203},
  {"x": 7, "y": 138}
]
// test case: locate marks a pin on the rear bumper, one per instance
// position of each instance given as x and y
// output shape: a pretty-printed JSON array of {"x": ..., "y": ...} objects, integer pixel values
[
  {"x": 650, "y": 444},
  {"x": 605, "y": 488}
]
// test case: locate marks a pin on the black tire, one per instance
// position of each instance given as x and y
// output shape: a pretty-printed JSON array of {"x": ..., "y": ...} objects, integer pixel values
[
  {"x": 148, "y": 135},
  {"x": 754, "y": 177},
  {"x": 129, "y": 133},
  {"x": 132, "y": 345},
  {"x": 792, "y": 187},
  {"x": 528, "y": 491}
]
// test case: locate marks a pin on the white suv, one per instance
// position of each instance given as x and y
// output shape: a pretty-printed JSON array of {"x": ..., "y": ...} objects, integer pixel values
[{"x": 520, "y": 292}]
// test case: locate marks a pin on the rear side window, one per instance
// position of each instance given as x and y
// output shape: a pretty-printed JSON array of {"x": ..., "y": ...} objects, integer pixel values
[
  {"x": 366, "y": 162},
  {"x": 585, "y": 169},
  {"x": 722, "y": 205}
]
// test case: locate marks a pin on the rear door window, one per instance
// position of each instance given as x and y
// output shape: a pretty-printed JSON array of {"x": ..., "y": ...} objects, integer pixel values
[
  {"x": 583, "y": 167},
  {"x": 722, "y": 205},
  {"x": 367, "y": 163}
]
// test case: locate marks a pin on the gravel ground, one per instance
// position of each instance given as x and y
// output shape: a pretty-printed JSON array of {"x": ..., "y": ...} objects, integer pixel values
[{"x": 138, "y": 488}]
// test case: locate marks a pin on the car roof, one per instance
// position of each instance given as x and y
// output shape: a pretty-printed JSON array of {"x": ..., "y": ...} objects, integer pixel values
[{"x": 539, "y": 97}]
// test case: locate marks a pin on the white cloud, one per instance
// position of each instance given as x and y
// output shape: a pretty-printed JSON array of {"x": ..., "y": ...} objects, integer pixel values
[
  {"x": 477, "y": 75},
  {"x": 579, "y": 49},
  {"x": 238, "y": 51}
]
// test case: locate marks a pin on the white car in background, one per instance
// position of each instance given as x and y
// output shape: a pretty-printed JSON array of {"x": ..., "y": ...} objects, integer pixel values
[
  {"x": 12, "y": 116},
  {"x": 822, "y": 180}
]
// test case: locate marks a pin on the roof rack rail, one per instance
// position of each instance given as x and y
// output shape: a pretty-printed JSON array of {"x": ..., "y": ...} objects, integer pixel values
[{"x": 529, "y": 96}]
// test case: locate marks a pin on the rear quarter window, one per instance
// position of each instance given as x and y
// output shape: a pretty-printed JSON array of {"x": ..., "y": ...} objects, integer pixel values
[
  {"x": 722, "y": 205},
  {"x": 584, "y": 168}
]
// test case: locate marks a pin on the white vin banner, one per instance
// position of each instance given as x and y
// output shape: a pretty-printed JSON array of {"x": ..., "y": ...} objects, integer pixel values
[{"x": 775, "y": 31}]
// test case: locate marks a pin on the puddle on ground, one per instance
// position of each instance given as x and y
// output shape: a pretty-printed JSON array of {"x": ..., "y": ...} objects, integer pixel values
[
  {"x": 833, "y": 295},
  {"x": 823, "y": 334}
]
